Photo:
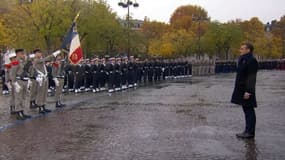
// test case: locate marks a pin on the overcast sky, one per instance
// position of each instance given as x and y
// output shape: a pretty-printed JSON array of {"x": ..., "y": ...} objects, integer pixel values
[{"x": 221, "y": 10}]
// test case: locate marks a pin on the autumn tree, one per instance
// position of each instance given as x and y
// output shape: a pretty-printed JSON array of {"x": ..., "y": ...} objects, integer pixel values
[
  {"x": 184, "y": 16},
  {"x": 4, "y": 38},
  {"x": 253, "y": 31},
  {"x": 278, "y": 30},
  {"x": 193, "y": 19},
  {"x": 39, "y": 24},
  {"x": 153, "y": 31},
  {"x": 269, "y": 47},
  {"x": 173, "y": 44},
  {"x": 222, "y": 40}
]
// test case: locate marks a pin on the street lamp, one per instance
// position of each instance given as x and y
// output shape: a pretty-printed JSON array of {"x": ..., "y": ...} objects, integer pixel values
[
  {"x": 199, "y": 19},
  {"x": 127, "y": 4}
]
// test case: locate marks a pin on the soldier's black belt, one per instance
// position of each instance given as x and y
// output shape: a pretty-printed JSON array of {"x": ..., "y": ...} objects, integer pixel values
[{"x": 61, "y": 77}]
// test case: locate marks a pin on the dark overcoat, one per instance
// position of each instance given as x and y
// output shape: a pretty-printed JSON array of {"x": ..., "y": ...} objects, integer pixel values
[{"x": 245, "y": 81}]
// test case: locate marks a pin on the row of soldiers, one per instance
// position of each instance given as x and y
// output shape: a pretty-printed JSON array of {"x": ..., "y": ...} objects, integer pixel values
[
  {"x": 31, "y": 75},
  {"x": 115, "y": 74},
  {"x": 122, "y": 73},
  {"x": 231, "y": 66},
  {"x": 225, "y": 66},
  {"x": 272, "y": 64}
]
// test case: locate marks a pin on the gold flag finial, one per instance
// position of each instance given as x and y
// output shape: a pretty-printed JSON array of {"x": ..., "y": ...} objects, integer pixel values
[{"x": 76, "y": 17}]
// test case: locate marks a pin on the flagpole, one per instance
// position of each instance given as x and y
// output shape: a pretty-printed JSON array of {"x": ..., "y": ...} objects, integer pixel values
[
  {"x": 76, "y": 17},
  {"x": 75, "y": 51},
  {"x": 63, "y": 50}
]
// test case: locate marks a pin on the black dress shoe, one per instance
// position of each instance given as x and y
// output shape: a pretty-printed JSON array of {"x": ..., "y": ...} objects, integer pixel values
[
  {"x": 245, "y": 135},
  {"x": 62, "y": 105},
  {"x": 19, "y": 115},
  {"x": 46, "y": 110},
  {"x": 58, "y": 105},
  {"x": 25, "y": 115}
]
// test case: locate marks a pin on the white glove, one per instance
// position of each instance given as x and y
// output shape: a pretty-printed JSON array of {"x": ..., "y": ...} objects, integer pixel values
[
  {"x": 17, "y": 87},
  {"x": 56, "y": 81},
  {"x": 39, "y": 79},
  {"x": 29, "y": 84},
  {"x": 32, "y": 56},
  {"x": 8, "y": 84},
  {"x": 56, "y": 53}
]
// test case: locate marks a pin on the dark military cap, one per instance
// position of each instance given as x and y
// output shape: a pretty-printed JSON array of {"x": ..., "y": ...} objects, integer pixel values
[
  {"x": 36, "y": 50},
  {"x": 19, "y": 50}
]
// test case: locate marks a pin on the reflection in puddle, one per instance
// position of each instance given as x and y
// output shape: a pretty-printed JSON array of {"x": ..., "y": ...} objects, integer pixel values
[
  {"x": 187, "y": 81},
  {"x": 251, "y": 149}
]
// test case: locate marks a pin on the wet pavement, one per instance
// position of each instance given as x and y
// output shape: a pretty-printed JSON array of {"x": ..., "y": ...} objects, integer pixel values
[{"x": 181, "y": 119}]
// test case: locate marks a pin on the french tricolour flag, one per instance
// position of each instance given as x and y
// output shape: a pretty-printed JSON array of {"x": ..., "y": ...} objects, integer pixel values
[{"x": 72, "y": 40}]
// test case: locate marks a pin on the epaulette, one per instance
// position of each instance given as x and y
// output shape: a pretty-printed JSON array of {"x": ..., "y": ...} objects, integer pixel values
[{"x": 15, "y": 63}]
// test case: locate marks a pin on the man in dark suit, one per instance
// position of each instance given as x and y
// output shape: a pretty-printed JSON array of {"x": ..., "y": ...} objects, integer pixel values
[{"x": 244, "y": 91}]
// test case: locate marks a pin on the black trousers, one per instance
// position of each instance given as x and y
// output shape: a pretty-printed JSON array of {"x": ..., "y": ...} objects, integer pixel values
[
  {"x": 70, "y": 81},
  {"x": 150, "y": 75},
  {"x": 144, "y": 75},
  {"x": 78, "y": 81},
  {"x": 117, "y": 79},
  {"x": 4, "y": 86},
  {"x": 250, "y": 119},
  {"x": 88, "y": 80},
  {"x": 95, "y": 80},
  {"x": 102, "y": 78},
  {"x": 111, "y": 80},
  {"x": 130, "y": 77}
]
